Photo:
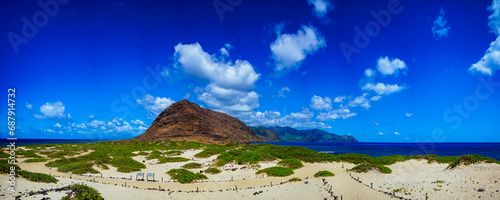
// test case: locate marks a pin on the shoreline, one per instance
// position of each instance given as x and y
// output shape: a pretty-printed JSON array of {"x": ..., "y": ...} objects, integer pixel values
[{"x": 241, "y": 182}]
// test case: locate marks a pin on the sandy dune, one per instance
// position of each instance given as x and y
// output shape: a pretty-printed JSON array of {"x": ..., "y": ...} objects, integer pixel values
[{"x": 416, "y": 177}]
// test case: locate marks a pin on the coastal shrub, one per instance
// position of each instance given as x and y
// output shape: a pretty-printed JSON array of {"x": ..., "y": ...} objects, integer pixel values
[
  {"x": 173, "y": 153},
  {"x": 46, "y": 152},
  {"x": 323, "y": 174},
  {"x": 294, "y": 179},
  {"x": 363, "y": 168},
  {"x": 126, "y": 164},
  {"x": 142, "y": 153},
  {"x": 78, "y": 168},
  {"x": 37, "y": 177},
  {"x": 290, "y": 163},
  {"x": 251, "y": 157},
  {"x": 154, "y": 156},
  {"x": 212, "y": 171},
  {"x": 104, "y": 166},
  {"x": 185, "y": 176},
  {"x": 5, "y": 166},
  {"x": 192, "y": 165},
  {"x": 172, "y": 159},
  {"x": 254, "y": 166},
  {"x": 224, "y": 158},
  {"x": 31, "y": 160},
  {"x": 276, "y": 171},
  {"x": 212, "y": 150},
  {"x": 28, "y": 154},
  {"x": 83, "y": 192},
  {"x": 470, "y": 159},
  {"x": 4, "y": 155}
]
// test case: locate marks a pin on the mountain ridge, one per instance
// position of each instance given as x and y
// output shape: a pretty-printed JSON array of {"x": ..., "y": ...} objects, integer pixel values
[
  {"x": 188, "y": 121},
  {"x": 288, "y": 134}
]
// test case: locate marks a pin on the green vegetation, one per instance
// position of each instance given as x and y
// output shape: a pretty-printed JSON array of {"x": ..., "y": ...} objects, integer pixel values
[
  {"x": 126, "y": 164},
  {"x": 212, "y": 171},
  {"x": 185, "y": 176},
  {"x": 31, "y": 160},
  {"x": 294, "y": 179},
  {"x": 290, "y": 163},
  {"x": 323, "y": 174},
  {"x": 172, "y": 159},
  {"x": 27, "y": 154},
  {"x": 276, "y": 171},
  {"x": 363, "y": 168},
  {"x": 173, "y": 153},
  {"x": 470, "y": 159},
  {"x": 211, "y": 150},
  {"x": 4, "y": 155},
  {"x": 83, "y": 192},
  {"x": 119, "y": 153},
  {"x": 5, "y": 166},
  {"x": 37, "y": 177},
  {"x": 192, "y": 165},
  {"x": 77, "y": 168}
]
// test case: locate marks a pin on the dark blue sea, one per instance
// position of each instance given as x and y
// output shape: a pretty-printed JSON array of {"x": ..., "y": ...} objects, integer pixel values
[
  {"x": 491, "y": 150},
  {"x": 376, "y": 149}
]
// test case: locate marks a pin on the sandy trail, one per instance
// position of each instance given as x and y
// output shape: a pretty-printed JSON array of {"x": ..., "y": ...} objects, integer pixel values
[{"x": 416, "y": 177}]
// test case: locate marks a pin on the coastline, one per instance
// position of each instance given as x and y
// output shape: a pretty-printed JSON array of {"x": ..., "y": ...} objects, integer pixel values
[{"x": 243, "y": 183}]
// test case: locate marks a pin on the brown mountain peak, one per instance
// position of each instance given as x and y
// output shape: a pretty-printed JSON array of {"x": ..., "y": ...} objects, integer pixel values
[{"x": 185, "y": 120}]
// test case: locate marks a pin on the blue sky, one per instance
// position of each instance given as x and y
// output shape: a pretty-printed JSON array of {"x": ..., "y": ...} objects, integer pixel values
[{"x": 381, "y": 71}]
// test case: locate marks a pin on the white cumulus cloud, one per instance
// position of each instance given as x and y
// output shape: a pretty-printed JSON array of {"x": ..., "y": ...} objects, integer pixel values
[
  {"x": 439, "y": 27},
  {"x": 390, "y": 67},
  {"x": 138, "y": 122},
  {"x": 153, "y": 105},
  {"x": 52, "y": 110},
  {"x": 228, "y": 100},
  {"x": 382, "y": 88},
  {"x": 289, "y": 50},
  {"x": 319, "y": 103},
  {"x": 490, "y": 62},
  {"x": 239, "y": 75},
  {"x": 321, "y": 7}
]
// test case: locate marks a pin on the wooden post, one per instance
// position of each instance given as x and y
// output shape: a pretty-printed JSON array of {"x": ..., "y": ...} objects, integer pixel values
[
  {"x": 371, "y": 184},
  {"x": 197, "y": 190},
  {"x": 393, "y": 193},
  {"x": 341, "y": 197},
  {"x": 125, "y": 183},
  {"x": 161, "y": 179},
  {"x": 101, "y": 175}
]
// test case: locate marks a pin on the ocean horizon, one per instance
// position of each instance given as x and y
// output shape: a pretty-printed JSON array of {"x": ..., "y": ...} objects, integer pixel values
[{"x": 375, "y": 149}]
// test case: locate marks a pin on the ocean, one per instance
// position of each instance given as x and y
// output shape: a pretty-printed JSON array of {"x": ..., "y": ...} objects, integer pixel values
[{"x": 375, "y": 149}]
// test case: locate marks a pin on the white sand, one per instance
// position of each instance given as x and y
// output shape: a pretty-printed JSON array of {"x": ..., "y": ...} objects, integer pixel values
[{"x": 410, "y": 175}]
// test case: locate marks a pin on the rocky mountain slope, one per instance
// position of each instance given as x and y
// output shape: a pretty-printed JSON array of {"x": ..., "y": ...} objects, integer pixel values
[{"x": 185, "y": 120}]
